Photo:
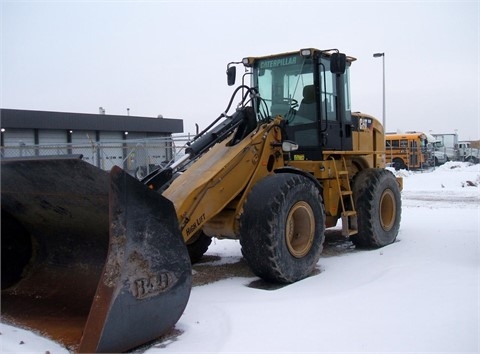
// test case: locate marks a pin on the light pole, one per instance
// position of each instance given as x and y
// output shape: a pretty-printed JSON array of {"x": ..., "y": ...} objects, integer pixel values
[{"x": 378, "y": 55}]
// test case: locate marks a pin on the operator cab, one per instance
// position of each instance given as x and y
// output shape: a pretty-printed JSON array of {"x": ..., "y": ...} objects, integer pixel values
[{"x": 310, "y": 89}]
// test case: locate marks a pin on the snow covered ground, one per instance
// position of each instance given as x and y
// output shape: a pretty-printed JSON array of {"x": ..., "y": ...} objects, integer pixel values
[{"x": 418, "y": 295}]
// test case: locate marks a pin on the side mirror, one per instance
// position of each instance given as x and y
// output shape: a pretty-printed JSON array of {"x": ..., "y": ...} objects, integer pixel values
[
  {"x": 288, "y": 146},
  {"x": 338, "y": 63},
  {"x": 231, "y": 75}
]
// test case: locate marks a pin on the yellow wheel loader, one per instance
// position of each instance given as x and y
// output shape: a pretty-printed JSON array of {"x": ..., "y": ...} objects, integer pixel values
[{"x": 101, "y": 262}]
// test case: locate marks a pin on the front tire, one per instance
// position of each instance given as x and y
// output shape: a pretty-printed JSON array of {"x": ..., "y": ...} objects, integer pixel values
[
  {"x": 282, "y": 228},
  {"x": 378, "y": 203}
]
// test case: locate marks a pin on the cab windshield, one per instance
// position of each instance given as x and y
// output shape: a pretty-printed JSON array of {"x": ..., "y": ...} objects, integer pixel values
[{"x": 285, "y": 84}]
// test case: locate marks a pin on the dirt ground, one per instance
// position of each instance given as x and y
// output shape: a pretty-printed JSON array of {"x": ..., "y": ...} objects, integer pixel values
[{"x": 207, "y": 270}]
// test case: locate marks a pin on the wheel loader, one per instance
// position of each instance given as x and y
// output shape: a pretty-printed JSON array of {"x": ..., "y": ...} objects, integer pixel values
[{"x": 101, "y": 261}]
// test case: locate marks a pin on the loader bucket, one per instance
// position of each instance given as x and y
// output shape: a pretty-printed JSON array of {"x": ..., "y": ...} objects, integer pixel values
[{"x": 91, "y": 259}]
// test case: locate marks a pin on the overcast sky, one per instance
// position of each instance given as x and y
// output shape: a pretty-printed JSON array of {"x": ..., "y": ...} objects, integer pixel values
[{"x": 169, "y": 57}]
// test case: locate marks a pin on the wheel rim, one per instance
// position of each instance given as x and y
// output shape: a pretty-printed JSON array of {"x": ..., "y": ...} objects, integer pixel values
[
  {"x": 300, "y": 229},
  {"x": 388, "y": 210}
]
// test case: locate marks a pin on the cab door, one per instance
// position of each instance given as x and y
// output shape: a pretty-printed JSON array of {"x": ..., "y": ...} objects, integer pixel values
[{"x": 336, "y": 118}]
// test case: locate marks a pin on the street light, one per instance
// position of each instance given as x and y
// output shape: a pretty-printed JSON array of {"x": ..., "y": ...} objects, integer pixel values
[{"x": 378, "y": 55}]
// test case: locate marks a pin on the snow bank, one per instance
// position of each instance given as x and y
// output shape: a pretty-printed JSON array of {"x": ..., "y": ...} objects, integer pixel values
[
  {"x": 452, "y": 185},
  {"x": 450, "y": 176}
]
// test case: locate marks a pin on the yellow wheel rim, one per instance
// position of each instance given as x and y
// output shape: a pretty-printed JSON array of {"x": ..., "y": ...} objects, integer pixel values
[
  {"x": 300, "y": 229},
  {"x": 388, "y": 210}
]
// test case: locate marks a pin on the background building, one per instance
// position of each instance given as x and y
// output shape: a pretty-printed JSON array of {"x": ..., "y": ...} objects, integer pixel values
[{"x": 136, "y": 144}]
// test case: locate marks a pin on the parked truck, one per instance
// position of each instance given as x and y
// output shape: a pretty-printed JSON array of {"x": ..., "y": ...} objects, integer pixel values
[
  {"x": 457, "y": 150},
  {"x": 467, "y": 153},
  {"x": 448, "y": 143},
  {"x": 436, "y": 152}
]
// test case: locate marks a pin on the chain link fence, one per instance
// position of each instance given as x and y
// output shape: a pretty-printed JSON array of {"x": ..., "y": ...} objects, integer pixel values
[{"x": 137, "y": 157}]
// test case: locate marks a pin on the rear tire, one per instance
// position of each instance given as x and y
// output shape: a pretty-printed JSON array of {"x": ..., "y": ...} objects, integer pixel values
[
  {"x": 282, "y": 228},
  {"x": 378, "y": 203},
  {"x": 197, "y": 248},
  {"x": 472, "y": 159},
  {"x": 398, "y": 164}
]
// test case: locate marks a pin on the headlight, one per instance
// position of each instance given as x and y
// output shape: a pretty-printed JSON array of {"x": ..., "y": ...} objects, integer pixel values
[
  {"x": 248, "y": 62},
  {"x": 306, "y": 52}
]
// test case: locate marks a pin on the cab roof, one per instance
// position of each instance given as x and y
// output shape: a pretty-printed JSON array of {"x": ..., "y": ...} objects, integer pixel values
[{"x": 322, "y": 52}]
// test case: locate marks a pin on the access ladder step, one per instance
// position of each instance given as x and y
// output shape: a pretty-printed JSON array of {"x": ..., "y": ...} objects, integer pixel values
[{"x": 349, "y": 223}]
